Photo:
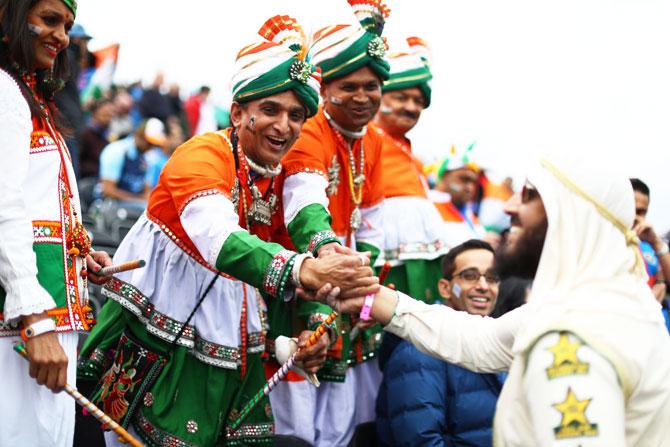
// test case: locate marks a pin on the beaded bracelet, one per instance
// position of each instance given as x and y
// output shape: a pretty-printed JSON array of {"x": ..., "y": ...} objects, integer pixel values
[
  {"x": 367, "y": 307},
  {"x": 320, "y": 239},
  {"x": 278, "y": 272},
  {"x": 285, "y": 278}
]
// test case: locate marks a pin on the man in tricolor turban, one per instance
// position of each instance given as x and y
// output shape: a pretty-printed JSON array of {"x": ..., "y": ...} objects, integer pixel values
[
  {"x": 454, "y": 195},
  {"x": 413, "y": 228},
  {"x": 332, "y": 202},
  {"x": 186, "y": 332}
]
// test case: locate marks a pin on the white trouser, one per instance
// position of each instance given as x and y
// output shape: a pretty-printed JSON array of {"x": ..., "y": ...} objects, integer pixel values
[
  {"x": 293, "y": 408},
  {"x": 30, "y": 414},
  {"x": 328, "y": 415},
  {"x": 368, "y": 379}
]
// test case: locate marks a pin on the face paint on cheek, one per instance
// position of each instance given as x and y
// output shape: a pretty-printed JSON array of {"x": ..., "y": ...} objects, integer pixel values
[
  {"x": 35, "y": 30},
  {"x": 252, "y": 123},
  {"x": 455, "y": 187},
  {"x": 386, "y": 110},
  {"x": 456, "y": 290},
  {"x": 335, "y": 101}
]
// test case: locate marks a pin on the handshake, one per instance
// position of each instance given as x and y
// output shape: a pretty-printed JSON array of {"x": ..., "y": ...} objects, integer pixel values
[{"x": 339, "y": 277}]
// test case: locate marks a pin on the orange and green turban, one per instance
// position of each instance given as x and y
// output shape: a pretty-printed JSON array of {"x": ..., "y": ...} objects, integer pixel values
[
  {"x": 276, "y": 65},
  {"x": 342, "y": 49}
]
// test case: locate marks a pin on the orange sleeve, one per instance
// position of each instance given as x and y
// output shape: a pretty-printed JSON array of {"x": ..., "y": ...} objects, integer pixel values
[
  {"x": 201, "y": 166},
  {"x": 308, "y": 153},
  {"x": 373, "y": 192}
]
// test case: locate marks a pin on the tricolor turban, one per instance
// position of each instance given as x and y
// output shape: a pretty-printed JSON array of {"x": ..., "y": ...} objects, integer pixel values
[
  {"x": 411, "y": 69},
  {"x": 342, "y": 49},
  {"x": 457, "y": 160},
  {"x": 277, "y": 65}
]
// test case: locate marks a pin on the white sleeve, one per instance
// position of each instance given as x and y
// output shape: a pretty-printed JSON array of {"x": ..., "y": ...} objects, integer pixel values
[
  {"x": 303, "y": 189},
  {"x": 18, "y": 264},
  {"x": 480, "y": 344},
  {"x": 573, "y": 394},
  {"x": 207, "y": 232},
  {"x": 372, "y": 228}
]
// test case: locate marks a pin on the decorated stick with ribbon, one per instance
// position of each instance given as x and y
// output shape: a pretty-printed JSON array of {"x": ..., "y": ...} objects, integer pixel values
[
  {"x": 281, "y": 372},
  {"x": 124, "y": 436},
  {"x": 130, "y": 265}
]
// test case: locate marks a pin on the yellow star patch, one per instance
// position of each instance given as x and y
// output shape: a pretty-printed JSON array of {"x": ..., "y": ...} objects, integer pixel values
[
  {"x": 566, "y": 362},
  {"x": 573, "y": 418}
]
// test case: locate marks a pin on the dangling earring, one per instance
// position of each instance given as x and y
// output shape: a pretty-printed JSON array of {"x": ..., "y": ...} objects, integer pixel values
[{"x": 50, "y": 84}]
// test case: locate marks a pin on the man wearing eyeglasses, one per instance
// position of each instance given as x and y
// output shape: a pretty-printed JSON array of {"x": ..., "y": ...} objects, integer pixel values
[{"x": 426, "y": 401}]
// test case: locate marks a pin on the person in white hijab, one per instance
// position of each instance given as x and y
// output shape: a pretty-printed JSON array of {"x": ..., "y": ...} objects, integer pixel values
[{"x": 588, "y": 356}]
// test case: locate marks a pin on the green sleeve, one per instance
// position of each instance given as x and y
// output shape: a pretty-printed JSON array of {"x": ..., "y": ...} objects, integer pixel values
[
  {"x": 311, "y": 221},
  {"x": 363, "y": 246},
  {"x": 246, "y": 257}
]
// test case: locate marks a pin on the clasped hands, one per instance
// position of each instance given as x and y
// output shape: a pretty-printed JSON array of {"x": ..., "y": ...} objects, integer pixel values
[{"x": 337, "y": 271}]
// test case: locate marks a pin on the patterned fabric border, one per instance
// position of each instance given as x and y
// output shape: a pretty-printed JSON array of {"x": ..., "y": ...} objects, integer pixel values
[
  {"x": 154, "y": 436},
  {"x": 197, "y": 195},
  {"x": 417, "y": 250},
  {"x": 278, "y": 273},
  {"x": 93, "y": 366},
  {"x": 258, "y": 430},
  {"x": 47, "y": 232},
  {"x": 195, "y": 255},
  {"x": 167, "y": 328},
  {"x": 41, "y": 141},
  {"x": 321, "y": 238},
  {"x": 307, "y": 171}
]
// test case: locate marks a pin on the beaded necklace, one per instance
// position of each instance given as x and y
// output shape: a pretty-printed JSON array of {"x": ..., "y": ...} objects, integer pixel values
[
  {"x": 77, "y": 240},
  {"x": 356, "y": 180}
]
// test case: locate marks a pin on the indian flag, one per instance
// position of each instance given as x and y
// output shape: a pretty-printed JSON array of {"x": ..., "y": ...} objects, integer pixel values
[{"x": 99, "y": 78}]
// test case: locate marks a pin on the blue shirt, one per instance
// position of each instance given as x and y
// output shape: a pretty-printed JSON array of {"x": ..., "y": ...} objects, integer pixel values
[
  {"x": 156, "y": 159},
  {"x": 122, "y": 163}
]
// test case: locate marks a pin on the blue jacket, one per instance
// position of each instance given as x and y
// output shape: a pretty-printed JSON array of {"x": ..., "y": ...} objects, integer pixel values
[{"x": 423, "y": 401}]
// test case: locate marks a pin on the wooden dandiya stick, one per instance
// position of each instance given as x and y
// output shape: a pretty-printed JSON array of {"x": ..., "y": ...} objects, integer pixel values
[
  {"x": 382, "y": 279},
  {"x": 130, "y": 265},
  {"x": 281, "y": 372},
  {"x": 124, "y": 436}
]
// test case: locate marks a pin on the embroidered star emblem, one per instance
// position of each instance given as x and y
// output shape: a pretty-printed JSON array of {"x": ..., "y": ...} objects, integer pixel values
[
  {"x": 566, "y": 362},
  {"x": 573, "y": 418}
]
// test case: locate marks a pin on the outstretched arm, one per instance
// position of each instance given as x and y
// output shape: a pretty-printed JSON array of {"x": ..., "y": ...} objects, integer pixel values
[{"x": 477, "y": 343}]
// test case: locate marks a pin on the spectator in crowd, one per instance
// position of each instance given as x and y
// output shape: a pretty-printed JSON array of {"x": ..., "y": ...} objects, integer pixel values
[
  {"x": 94, "y": 137},
  {"x": 153, "y": 103},
  {"x": 200, "y": 112},
  {"x": 122, "y": 123},
  {"x": 457, "y": 183},
  {"x": 68, "y": 100},
  {"x": 158, "y": 156},
  {"x": 426, "y": 401},
  {"x": 123, "y": 167},
  {"x": 177, "y": 108},
  {"x": 654, "y": 249}
]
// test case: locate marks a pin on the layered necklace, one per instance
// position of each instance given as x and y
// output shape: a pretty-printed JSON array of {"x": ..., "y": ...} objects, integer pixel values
[
  {"x": 263, "y": 206},
  {"x": 355, "y": 174}
]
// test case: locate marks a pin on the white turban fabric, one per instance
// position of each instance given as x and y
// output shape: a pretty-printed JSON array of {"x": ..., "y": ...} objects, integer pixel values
[{"x": 590, "y": 260}]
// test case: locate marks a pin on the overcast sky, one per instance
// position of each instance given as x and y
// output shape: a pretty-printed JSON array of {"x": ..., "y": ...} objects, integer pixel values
[{"x": 519, "y": 77}]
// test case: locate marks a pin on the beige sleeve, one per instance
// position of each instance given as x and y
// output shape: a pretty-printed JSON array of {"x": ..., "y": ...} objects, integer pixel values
[
  {"x": 573, "y": 394},
  {"x": 477, "y": 343}
]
